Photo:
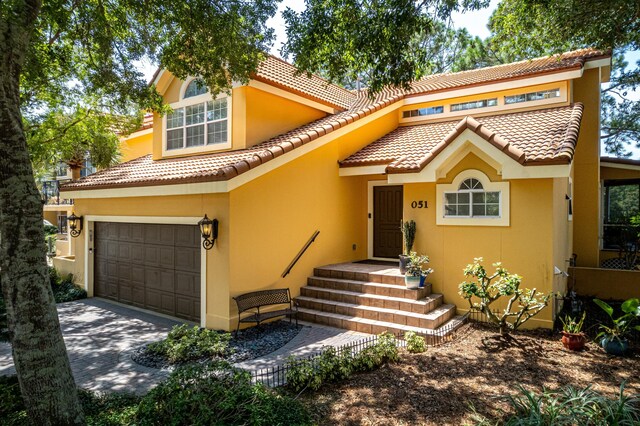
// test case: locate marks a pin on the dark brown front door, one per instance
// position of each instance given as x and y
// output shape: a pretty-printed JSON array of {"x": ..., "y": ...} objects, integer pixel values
[
  {"x": 387, "y": 215},
  {"x": 155, "y": 267}
]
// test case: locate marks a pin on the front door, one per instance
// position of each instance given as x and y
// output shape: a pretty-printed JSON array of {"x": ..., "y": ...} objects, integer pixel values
[{"x": 387, "y": 215}]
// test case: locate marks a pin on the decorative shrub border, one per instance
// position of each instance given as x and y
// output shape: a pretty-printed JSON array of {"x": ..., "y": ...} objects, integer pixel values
[{"x": 277, "y": 375}]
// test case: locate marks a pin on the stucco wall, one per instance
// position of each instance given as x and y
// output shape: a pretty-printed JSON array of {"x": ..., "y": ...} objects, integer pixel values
[
  {"x": 274, "y": 216},
  {"x": 586, "y": 200},
  {"x": 214, "y": 205},
  {"x": 606, "y": 283},
  {"x": 525, "y": 247},
  {"x": 136, "y": 146}
]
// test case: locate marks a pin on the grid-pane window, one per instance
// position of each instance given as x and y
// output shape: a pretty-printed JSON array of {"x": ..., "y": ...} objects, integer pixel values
[
  {"x": 474, "y": 104},
  {"x": 471, "y": 200},
  {"x": 203, "y": 123},
  {"x": 423, "y": 111},
  {"x": 532, "y": 96}
]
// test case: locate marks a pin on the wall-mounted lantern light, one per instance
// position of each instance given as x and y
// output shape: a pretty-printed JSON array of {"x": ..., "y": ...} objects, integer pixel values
[
  {"x": 209, "y": 232},
  {"x": 75, "y": 224}
]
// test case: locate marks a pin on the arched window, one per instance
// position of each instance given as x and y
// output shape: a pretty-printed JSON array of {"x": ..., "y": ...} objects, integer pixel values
[
  {"x": 471, "y": 200},
  {"x": 197, "y": 120},
  {"x": 195, "y": 88}
]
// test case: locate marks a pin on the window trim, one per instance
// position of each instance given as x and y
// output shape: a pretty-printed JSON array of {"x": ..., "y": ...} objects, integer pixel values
[
  {"x": 502, "y": 187},
  {"x": 181, "y": 103}
]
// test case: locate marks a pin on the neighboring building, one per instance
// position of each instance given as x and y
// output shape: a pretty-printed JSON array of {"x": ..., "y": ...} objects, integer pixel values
[
  {"x": 501, "y": 163},
  {"x": 57, "y": 208}
]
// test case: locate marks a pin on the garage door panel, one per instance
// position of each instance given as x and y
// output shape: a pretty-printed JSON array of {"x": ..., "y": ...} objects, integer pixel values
[
  {"x": 124, "y": 252},
  {"x": 152, "y": 266},
  {"x": 187, "y": 236},
  {"x": 185, "y": 307},
  {"x": 187, "y": 259},
  {"x": 137, "y": 253},
  {"x": 112, "y": 269},
  {"x": 112, "y": 249},
  {"x": 187, "y": 284},
  {"x": 137, "y": 274}
]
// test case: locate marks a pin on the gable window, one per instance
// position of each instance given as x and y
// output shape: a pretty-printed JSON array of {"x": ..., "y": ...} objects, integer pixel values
[
  {"x": 475, "y": 104},
  {"x": 471, "y": 200},
  {"x": 197, "y": 120}
]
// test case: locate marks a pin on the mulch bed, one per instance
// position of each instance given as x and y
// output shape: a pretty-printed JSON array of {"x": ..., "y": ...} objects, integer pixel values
[
  {"x": 250, "y": 343},
  {"x": 439, "y": 386}
]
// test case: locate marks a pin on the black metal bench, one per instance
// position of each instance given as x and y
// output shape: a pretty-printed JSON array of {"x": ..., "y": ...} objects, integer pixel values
[{"x": 255, "y": 300}]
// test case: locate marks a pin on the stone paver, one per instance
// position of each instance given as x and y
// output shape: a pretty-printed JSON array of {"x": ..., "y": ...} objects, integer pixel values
[{"x": 100, "y": 337}]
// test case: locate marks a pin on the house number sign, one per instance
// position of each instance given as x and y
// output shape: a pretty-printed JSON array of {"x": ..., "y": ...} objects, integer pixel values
[{"x": 422, "y": 204}]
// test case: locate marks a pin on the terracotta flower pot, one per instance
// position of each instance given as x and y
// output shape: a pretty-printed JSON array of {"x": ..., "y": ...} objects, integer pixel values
[{"x": 573, "y": 341}]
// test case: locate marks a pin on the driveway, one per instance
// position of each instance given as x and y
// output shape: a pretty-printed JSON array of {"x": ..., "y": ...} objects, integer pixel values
[{"x": 100, "y": 337}]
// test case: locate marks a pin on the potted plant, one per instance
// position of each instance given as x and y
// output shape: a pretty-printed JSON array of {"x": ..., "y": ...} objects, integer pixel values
[
  {"x": 572, "y": 336},
  {"x": 614, "y": 339},
  {"x": 415, "y": 272},
  {"x": 409, "y": 236}
]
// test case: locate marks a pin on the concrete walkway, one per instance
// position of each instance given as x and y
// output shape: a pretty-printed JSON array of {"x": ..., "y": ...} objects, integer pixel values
[{"x": 100, "y": 337}]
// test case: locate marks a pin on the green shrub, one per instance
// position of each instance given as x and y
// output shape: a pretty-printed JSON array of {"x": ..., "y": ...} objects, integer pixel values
[
  {"x": 568, "y": 406},
  {"x": 184, "y": 344},
  {"x": 109, "y": 409},
  {"x": 331, "y": 366},
  {"x": 216, "y": 394},
  {"x": 12, "y": 409},
  {"x": 64, "y": 289},
  {"x": 50, "y": 230},
  {"x": 415, "y": 343}
]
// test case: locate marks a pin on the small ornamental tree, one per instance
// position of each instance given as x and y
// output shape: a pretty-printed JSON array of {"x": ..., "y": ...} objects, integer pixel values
[{"x": 522, "y": 304}]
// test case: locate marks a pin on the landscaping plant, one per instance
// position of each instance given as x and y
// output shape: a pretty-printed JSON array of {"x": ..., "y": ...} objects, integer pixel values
[
  {"x": 408, "y": 229},
  {"x": 567, "y": 406},
  {"x": 184, "y": 344},
  {"x": 331, "y": 366},
  {"x": 217, "y": 394},
  {"x": 522, "y": 304},
  {"x": 614, "y": 338},
  {"x": 572, "y": 336},
  {"x": 415, "y": 343}
]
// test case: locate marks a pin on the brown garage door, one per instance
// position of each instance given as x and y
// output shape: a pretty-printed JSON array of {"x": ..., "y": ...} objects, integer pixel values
[{"x": 155, "y": 267}]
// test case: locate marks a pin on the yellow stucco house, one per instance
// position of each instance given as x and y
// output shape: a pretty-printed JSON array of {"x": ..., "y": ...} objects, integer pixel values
[{"x": 501, "y": 163}]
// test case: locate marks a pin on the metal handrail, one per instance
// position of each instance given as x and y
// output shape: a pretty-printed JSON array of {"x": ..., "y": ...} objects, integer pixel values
[{"x": 300, "y": 253}]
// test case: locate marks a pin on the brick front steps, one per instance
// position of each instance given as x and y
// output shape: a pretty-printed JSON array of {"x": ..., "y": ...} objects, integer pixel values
[{"x": 372, "y": 299}]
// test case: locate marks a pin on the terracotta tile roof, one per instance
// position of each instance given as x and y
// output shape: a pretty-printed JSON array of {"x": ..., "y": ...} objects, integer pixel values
[
  {"x": 545, "y": 136},
  {"x": 144, "y": 171},
  {"x": 227, "y": 165},
  {"x": 544, "y": 65},
  {"x": 279, "y": 73}
]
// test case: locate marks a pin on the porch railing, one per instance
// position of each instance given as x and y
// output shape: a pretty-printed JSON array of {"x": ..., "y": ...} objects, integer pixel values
[{"x": 51, "y": 194}]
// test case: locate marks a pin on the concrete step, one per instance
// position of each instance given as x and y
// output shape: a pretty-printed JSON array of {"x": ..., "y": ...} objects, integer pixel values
[
  {"x": 421, "y": 306},
  {"x": 381, "y": 289},
  {"x": 365, "y": 325},
  {"x": 362, "y": 272},
  {"x": 431, "y": 320}
]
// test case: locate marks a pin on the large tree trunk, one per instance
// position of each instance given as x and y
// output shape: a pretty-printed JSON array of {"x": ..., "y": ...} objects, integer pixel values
[{"x": 39, "y": 352}]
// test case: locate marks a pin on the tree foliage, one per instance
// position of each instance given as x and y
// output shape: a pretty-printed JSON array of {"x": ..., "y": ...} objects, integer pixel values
[
  {"x": 67, "y": 72},
  {"x": 523, "y": 29},
  {"x": 389, "y": 42}
]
